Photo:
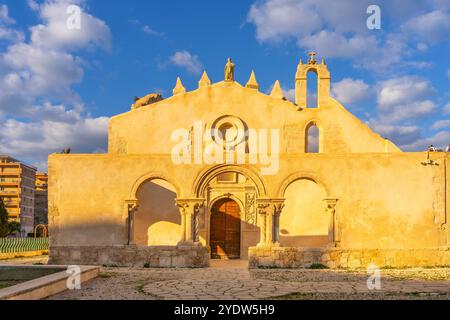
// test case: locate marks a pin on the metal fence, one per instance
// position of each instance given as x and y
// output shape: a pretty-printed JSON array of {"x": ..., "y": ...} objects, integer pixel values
[{"x": 16, "y": 245}]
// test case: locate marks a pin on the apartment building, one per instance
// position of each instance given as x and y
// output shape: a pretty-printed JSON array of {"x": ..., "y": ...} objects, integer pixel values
[
  {"x": 17, "y": 189},
  {"x": 40, "y": 199}
]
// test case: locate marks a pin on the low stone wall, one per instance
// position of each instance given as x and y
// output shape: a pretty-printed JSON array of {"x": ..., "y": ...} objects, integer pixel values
[
  {"x": 131, "y": 256},
  {"x": 45, "y": 286},
  {"x": 281, "y": 257}
]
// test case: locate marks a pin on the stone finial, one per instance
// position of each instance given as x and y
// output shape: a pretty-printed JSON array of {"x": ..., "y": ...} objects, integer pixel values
[
  {"x": 252, "y": 83},
  {"x": 179, "y": 88},
  {"x": 204, "y": 81},
  {"x": 311, "y": 59},
  {"x": 277, "y": 93},
  {"x": 323, "y": 62}
]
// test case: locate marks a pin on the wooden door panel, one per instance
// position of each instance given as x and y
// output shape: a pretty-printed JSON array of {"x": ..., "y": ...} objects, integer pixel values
[{"x": 225, "y": 230}]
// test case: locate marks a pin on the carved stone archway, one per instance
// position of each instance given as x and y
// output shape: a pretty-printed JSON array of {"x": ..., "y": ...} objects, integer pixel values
[{"x": 205, "y": 177}]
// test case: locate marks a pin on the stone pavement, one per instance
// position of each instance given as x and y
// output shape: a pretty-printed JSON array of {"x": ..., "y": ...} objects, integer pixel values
[{"x": 231, "y": 280}]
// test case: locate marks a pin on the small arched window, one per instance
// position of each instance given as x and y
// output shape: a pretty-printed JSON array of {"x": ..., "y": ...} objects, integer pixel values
[
  {"x": 312, "y": 139},
  {"x": 312, "y": 85}
]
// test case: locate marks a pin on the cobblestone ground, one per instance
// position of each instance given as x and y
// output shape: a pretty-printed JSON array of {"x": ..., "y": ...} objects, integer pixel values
[{"x": 233, "y": 281}]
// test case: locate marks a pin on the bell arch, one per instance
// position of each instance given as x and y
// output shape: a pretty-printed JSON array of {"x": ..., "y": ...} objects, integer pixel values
[{"x": 323, "y": 82}]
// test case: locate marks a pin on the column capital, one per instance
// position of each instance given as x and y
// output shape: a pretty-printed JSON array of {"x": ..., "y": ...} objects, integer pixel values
[
  {"x": 331, "y": 202},
  {"x": 190, "y": 205},
  {"x": 189, "y": 210},
  {"x": 270, "y": 205},
  {"x": 132, "y": 204}
]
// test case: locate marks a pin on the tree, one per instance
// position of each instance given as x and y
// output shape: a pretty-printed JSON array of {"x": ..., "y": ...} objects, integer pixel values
[
  {"x": 4, "y": 223},
  {"x": 6, "y": 227}
]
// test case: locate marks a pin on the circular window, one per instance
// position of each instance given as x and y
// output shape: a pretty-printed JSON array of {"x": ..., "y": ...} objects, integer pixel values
[{"x": 228, "y": 131}]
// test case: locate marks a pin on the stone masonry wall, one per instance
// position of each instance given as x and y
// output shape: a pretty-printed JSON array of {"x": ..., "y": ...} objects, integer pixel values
[
  {"x": 131, "y": 256},
  {"x": 282, "y": 257}
]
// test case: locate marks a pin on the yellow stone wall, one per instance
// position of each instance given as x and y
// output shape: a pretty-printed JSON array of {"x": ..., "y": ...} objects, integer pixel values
[
  {"x": 147, "y": 130},
  {"x": 386, "y": 199}
]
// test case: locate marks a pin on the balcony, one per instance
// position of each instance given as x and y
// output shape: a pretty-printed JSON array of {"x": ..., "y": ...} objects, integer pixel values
[
  {"x": 12, "y": 173},
  {"x": 11, "y": 203},
  {"x": 13, "y": 213},
  {"x": 10, "y": 183},
  {"x": 9, "y": 193}
]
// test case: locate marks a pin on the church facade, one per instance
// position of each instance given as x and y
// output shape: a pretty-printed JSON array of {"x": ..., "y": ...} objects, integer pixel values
[{"x": 228, "y": 172}]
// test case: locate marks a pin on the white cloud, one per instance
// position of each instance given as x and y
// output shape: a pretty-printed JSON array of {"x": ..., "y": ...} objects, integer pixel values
[
  {"x": 402, "y": 135},
  {"x": 404, "y": 98},
  {"x": 402, "y": 90},
  {"x": 6, "y": 32},
  {"x": 11, "y": 34},
  {"x": 33, "y": 5},
  {"x": 333, "y": 29},
  {"x": 53, "y": 33},
  {"x": 151, "y": 32},
  {"x": 414, "y": 110},
  {"x": 332, "y": 44},
  {"x": 278, "y": 19},
  {"x": 39, "y": 139},
  {"x": 441, "y": 124},
  {"x": 36, "y": 73},
  {"x": 338, "y": 29},
  {"x": 401, "y": 102},
  {"x": 430, "y": 27},
  {"x": 440, "y": 140},
  {"x": 448, "y": 73},
  {"x": 350, "y": 91},
  {"x": 288, "y": 93},
  {"x": 188, "y": 61},
  {"x": 447, "y": 108},
  {"x": 4, "y": 15}
]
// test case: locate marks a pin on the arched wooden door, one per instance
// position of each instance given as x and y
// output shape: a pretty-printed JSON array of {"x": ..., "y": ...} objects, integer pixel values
[{"x": 225, "y": 232}]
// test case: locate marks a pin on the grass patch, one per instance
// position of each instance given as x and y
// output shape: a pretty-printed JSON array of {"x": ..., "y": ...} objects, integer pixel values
[
  {"x": 6, "y": 284},
  {"x": 294, "y": 296},
  {"x": 267, "y": 267},
  {"x": 105, "y": 275},
  {"x": 111, "y": 266},
  {"x": 140, "y": 289},
  {"x": 445, "y": 266},
  {"x": 318, "y": 266}
]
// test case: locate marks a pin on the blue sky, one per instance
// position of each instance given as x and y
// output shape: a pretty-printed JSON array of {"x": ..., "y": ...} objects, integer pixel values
[{"x": 58, "y": 88}]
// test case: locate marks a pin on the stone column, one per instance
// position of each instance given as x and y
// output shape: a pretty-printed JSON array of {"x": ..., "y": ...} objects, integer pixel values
[
  {"x": 269, "y": 211},
  {"x": 262, "y": 206},
  {"x": 333, "y": 228},
  {"x": 132, "y": 207},
  {"x": 190, "y": 211},
  {"x": 183, "y": 206},
  {"x": 278, "y": 207}
]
